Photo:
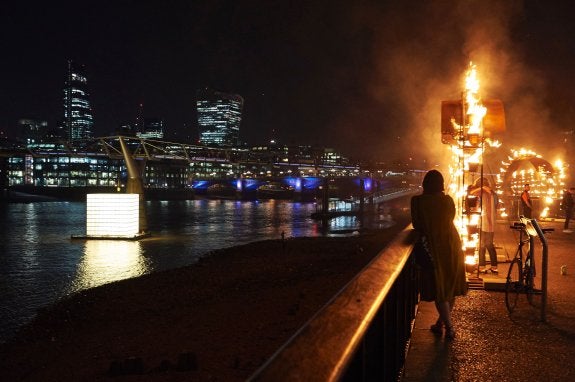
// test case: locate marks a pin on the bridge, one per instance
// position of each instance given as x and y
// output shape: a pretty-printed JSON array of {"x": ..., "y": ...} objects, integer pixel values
[
  {"x": 144, "y": 164},
  {"x": 142, "y": 149},
  {"x": 157, "y": 169}
]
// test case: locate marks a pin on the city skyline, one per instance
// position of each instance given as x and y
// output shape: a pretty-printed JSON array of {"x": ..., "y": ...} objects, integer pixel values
[{"x": 362, "y": 78}]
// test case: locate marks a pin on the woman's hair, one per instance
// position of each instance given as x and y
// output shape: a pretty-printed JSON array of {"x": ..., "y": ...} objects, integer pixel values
[{"x": 432, "y": 182}]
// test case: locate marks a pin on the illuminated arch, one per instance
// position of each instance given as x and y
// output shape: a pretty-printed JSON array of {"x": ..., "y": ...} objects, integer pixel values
[{"x": 527, "y": 167}]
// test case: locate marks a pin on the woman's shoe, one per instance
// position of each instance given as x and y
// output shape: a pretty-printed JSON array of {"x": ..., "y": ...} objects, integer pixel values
[
  {"x": 449, "y": 333},
  {"x": 437, "y": 328},
  {"x": 494, "y": 270}
]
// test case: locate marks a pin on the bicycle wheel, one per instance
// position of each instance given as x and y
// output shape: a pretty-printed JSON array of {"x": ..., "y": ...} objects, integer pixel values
[{"x": 513, "y": 286}]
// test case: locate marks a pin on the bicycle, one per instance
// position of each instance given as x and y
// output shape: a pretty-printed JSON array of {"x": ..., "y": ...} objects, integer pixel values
[{"x": 521, "y": 274}]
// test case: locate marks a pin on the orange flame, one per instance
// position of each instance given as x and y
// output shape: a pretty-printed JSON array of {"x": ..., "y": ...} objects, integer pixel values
[{"x": 467, "y": 158}]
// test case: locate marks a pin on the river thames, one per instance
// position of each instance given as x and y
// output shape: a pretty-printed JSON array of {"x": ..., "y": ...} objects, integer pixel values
[{"x": 40, "y": 263}]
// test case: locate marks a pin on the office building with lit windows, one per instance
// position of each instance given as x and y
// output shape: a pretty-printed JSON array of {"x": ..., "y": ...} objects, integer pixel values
[
  {"x": 153, "y": 129},
  {"x": 78, "y": 118},
  {"x": 219, "y": 117}
]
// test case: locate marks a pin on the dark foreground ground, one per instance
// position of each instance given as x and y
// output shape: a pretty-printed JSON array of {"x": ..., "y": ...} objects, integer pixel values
[{"x": 217, "y": 320}]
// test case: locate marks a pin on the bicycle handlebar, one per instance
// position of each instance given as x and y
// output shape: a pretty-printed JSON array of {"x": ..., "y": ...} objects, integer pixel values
[
  {"x": 517, "y": 226},
  {"x": 521, "y": 226}
]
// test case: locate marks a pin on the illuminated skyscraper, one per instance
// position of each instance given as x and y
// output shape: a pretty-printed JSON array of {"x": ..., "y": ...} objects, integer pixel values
[
  {"x": 78, "y": 119},
  {"x": 219, "y": 117}
]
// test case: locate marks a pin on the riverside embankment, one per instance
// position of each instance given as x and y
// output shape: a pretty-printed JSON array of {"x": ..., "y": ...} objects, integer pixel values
[{"x": 216, "y": 320}]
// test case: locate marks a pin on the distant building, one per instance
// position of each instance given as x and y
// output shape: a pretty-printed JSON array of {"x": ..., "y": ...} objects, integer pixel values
[
  {"x": 32, "y": 131},
  {"x": 126, "y": 129},
  {"x": 219, "y": 117},
  {"x": 301, "y": 159},
  {"x": 152, "y": 128},
  {"x": 78, "y": 119}
]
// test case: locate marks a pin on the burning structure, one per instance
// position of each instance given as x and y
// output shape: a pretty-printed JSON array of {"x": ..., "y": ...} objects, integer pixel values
[{"x": 469, "y": 126}]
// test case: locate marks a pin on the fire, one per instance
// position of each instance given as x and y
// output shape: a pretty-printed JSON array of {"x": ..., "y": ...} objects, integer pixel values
[
  {"x": 475, "y": 111},
  {"x": 546, "y": 181},
  {"x": 468, "y": 126},
  {"x": 468, "y": 149}
]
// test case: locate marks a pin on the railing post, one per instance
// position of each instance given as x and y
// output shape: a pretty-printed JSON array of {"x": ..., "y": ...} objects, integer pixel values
[{"x": 544, "y": 268}]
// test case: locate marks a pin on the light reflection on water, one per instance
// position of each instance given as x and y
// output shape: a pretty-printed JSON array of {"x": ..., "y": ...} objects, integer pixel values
[
  {"x": 39, "y": 263},
  {"x": 106, "y": 261}
]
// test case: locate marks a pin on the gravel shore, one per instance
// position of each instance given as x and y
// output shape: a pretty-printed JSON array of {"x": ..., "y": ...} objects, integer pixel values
[{"x": 217, "y": 320}]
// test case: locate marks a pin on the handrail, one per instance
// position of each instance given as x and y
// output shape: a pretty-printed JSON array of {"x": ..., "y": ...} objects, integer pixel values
[
  {"x": 544, "y": 266},
  {"x": 325, "y": 348},
  {"x": 533, "y": 229}
]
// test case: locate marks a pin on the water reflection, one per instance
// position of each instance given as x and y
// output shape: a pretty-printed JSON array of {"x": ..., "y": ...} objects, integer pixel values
[
  {"x": 106, "y": 261},
  {"x": 344, "y": 222},
  {"x": 30, "y": 243}
]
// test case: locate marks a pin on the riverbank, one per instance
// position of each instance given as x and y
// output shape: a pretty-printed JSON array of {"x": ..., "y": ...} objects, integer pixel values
[{"x": 217, "y": 320}]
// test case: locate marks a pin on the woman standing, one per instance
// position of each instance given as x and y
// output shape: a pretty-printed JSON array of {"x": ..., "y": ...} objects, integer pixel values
[
  {"x": 432, "y": 215},
  {"x": 526, "y": 202}
]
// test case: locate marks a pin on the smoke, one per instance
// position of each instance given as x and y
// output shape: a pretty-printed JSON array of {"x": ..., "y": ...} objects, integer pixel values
[
  {"x": 507, "y": 76},
  {"x": 420, "y": 53}
]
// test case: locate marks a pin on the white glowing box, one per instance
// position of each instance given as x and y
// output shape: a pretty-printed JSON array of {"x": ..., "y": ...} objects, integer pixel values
[{"x": 112, "y": 215}]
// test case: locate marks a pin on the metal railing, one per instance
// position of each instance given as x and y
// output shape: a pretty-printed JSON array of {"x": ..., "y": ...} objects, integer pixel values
[
  {"x": 363, "y": 333},
  {"x": 533, "y": 229}
]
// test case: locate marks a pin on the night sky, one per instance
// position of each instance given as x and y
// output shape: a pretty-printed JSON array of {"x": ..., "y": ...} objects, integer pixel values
[{"x": 364, "y": 77}]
